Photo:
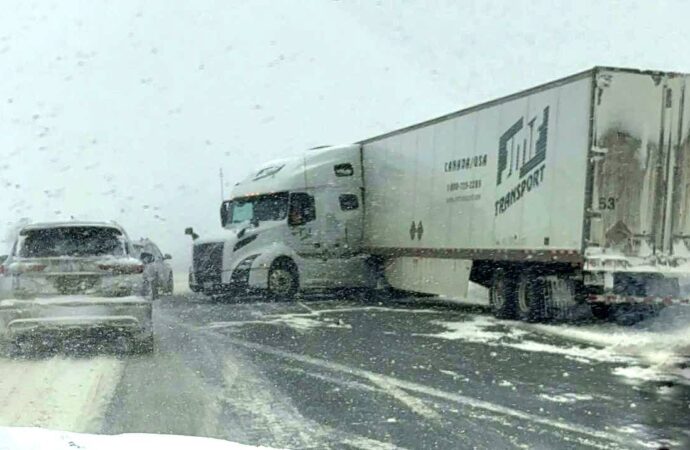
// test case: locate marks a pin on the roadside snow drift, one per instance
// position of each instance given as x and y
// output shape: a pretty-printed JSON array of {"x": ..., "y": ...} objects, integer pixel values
[
  {"x": 63, "y": 393},
  {"x": 657, "y": 349},
  {"x": 39, "y": 439}
]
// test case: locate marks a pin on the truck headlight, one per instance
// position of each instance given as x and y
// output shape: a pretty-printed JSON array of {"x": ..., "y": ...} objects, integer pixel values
[
  {"x": 246, "y": 263},
  {"x": 240, "y": 276}
]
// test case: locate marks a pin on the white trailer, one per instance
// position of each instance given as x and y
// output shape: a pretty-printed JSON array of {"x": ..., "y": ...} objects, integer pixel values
[{"x": 576, "y": 190}]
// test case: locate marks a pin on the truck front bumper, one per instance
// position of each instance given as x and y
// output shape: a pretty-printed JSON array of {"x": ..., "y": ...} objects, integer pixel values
[{"x": 234, "y": 281}]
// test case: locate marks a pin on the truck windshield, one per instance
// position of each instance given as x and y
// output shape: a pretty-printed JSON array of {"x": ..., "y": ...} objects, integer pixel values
[
  {"x": 71, "y": 241},
  {"x": 259, "y": 207}
]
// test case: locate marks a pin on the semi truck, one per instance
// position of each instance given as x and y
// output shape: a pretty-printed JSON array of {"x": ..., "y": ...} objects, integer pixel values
[{"x": 573, "y": 192}]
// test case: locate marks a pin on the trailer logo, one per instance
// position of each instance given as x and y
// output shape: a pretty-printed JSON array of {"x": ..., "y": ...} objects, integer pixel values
[{"x": 521, "y": 154}]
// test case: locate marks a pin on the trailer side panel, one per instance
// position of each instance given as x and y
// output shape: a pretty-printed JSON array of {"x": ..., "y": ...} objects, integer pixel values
[{"x": 505, "y": 181}]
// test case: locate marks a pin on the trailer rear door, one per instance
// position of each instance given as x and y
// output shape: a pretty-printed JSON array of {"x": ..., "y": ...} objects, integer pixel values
[{"x": 638, "y": 196}]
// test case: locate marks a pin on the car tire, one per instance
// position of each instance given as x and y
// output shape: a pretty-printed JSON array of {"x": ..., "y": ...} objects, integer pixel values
[
  {"x": 150, "y": 289},
  {"x": 283, "y": 280}
]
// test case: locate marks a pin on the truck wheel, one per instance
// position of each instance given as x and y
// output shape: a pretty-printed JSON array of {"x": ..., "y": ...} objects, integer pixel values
[
  {"x": 502, "y": 295},
  {"x": 192, "y": 287},
  {"x": 283, "y": 281},
  {"x": 601, "y": 311},
  {"x": 530, "y": 297}
]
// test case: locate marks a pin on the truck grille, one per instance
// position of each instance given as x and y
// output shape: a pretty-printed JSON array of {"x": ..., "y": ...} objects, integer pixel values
[{"x": 208, "y": 262}]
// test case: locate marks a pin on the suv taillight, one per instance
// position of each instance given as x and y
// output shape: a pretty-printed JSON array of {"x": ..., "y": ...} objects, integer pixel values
[{"x": 23, "y": 268}]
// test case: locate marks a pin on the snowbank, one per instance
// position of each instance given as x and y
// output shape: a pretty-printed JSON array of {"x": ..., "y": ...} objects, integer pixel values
[
  {"x": 61, "y": 393},
  {"x": 657, "y": 349},
  {"x": 661, "y": 344},
  {"x": 39, "y": 438}
]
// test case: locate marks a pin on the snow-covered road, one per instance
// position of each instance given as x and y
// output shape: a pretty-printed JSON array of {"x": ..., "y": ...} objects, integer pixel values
[{"x": 323, "y": 373}]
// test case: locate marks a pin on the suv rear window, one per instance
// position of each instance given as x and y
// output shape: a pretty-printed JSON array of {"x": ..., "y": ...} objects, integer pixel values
[{"x": 71, "y": 241}]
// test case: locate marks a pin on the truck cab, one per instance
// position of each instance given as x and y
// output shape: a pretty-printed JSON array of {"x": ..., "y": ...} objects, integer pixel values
[{"x": 292, "y": 224}]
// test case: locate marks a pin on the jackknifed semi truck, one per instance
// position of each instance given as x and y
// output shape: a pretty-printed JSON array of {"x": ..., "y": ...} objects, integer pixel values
[{"x": 573, "y": 192}]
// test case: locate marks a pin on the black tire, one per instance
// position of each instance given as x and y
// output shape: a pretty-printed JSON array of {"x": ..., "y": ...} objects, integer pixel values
[
  {"x": 283, "y": 281},
  {"x": 171, "y": 286},
  {"x": 151, "y": 289},
  {"x": 502, "y": 295},
  {"x": 627, "y": 314},
  {"x": 192, "y": 287},
  {"x": 601, "y": 311},
  {"x": 531, "y": 292}
]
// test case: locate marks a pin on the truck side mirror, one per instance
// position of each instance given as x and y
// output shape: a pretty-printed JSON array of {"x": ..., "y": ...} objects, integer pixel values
[
  {"x": 224, "y": 211},
  {"x": 167, "y": 256},
  {"x": 190, "y": 232}
]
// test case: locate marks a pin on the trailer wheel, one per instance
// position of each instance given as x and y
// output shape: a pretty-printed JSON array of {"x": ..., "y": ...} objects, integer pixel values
[
  {"x": 531, "y": 292},
  {"x": 601, "y": 311},
  {"x": 502, "y": 295},
  {"x": 283, "y": 281}
]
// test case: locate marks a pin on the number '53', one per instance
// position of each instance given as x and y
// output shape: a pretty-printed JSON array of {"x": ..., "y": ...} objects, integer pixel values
[{"x": 607, "y": 203}]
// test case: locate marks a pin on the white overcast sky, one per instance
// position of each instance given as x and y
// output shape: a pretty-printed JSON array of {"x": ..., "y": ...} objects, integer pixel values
[{"x": 127, "y": 109}]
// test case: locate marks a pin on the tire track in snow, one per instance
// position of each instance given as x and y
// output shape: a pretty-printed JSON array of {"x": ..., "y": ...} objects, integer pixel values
[
  {"x": 262, "y": 412},
  {"x": 438, "y": 393},
  {"x": 258, "y": 413},
  {"x": 266, "y": 413},
  {"x": 415, "y": 404},
  {"x": 59, "y": 393}
]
